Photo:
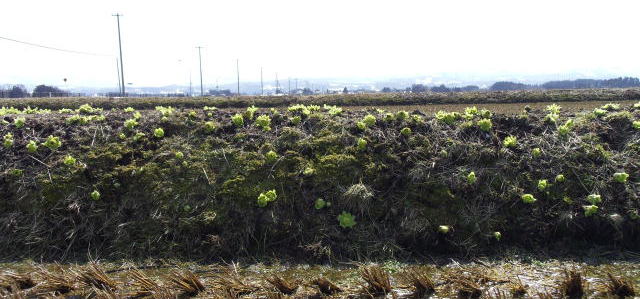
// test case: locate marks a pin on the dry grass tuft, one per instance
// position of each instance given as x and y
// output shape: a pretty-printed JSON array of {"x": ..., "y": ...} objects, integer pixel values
[
  {"x": 56, "y": 281},
  {"x": 468, "y": 289},
  {"x": 572, "y": 286},
  {"x": 12, "y": 281},
  {"x": 94, "y": 277},
  {"x": 186, "y": 281},
  {"x": 620, "y": 287},
  {"x": 518, "y": 289},
  {"x": 420, "y": 281},
  {"x": 287, "y": 287},
  {"x": 326, "y": 286},
  {"x": 276, "y": 295},
  {"x": 234, "y": 287},
  {"x": 148, "y": 287},
  {"x": 377, "y": 279}
]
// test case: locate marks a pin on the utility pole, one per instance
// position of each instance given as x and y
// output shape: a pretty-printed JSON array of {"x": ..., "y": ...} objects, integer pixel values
[
  {"x": 118, "y": 71},
  {"x": 117, "y": 15},
  {"x": 238, "y": 72},
  {"x": 289, "y": 85},
  {"x": 261, "y": 83},
  {"x": 200, "y": 59},
  {"x": 277, "y": 84}
]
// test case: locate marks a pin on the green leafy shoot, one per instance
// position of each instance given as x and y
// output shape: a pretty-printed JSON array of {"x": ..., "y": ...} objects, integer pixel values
[{"x": 346, "y": 220}]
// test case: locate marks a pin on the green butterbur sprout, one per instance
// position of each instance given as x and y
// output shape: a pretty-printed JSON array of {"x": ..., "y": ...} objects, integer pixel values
[
  {"x": 130, "y": 123},
  {"x": 52, "y": 143},
  {"x": 636, "y": 124},
  {"x": 620, "y": 177},
  {"x": 594, "y": 199},
  {"x": 444, "y": 229},
  {"x": 122, "y": 136},
  {"x": 485, "y": 124},
  {"x": 448, "y": 118},
  {"x": 264, "y": 122},
  {"x": 237, "y": 120},
  {"x": 563, "y": 130},
  {"x": 266, "y": 197},
  {"x": 308, "y": 171},
  {"x": 19, "y": 122},
  {"x": 599, "y": 112},
  {"x": 158, "y": 133},
  {"x": 271, "y": 156},
  {"x": 8, "y": 140},
  {"x": 471, "y": 178},
  {"x": 361, "y": 125},
  {"x": 405, "y": 131},
  {"x": 320, "y": 203},
  {"x": 497, "y": 235},
  {"x": 137, "y": 115},
  {"x": 209, "y": 126},
  {"x": 402, "y": 115},
  {"x": 95, "y": 195},
  {"x": 138, "y": 136},
  {"x": 362, "y": 144},
  {"x": 346, "y": 220},
  {"x": 32, "y": 146},
  {"x": 69, "y": 160},
  {"x": 528, "y": 198},
  {"x": 369, "y": 120},
  {"x": 129, "y": 109},
  {"x": 296, "y": 119},
  {"x": 510, "y": 141},
  {"x": 542, "y": 185},
  {"x": 590, "y": 210},
  {"x": 251, "y": 111},
  {"x": 536, "y": 152},
  {"x": 560, "y": 178},
  {"x": 179, "y": 155}
]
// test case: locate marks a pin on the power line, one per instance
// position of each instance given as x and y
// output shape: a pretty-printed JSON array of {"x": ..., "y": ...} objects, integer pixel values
[{"x": 53, "y": 48}]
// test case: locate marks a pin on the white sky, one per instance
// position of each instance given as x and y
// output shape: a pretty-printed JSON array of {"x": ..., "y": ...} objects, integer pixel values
[{"x": 314, "y": 39}]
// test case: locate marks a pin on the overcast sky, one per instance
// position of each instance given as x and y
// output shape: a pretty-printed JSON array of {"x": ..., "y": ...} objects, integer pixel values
[{"x": 314, "y": 39}]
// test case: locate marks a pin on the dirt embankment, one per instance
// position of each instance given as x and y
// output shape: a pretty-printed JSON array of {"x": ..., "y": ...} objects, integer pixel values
[{"x": 318, "y": 184}]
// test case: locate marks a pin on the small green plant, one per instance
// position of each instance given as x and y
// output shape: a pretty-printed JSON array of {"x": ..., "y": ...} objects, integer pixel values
[
  {"x": 528, "y": 198},
  {"x": 444, "y": 229},
  {"x": 251, "y": 111},
  {"x": 130, "y": 123},
  {"x": 369, "y": 120},
  {"x": 296, "y": 120},
  {"x": 611, "y": 107},
  {"x": 542, "y": 185},
  {"x": 389, "y": 117},
  {"x": 209, "y": 126},
  {"x": 138, "y": 136},
  {"x": 402, "y": 115},
  {"x": 32, "y": 146},
  {"x": 122, "y": 136},
  {"x": 95, "y": 195},
  {"x": 361, "y": 125},
  {"x": 536, "y": 152},
  {"x": 165, "y": 111},
  {"x": 308, "y": 171},
  {"x": 333, "y": 110},
  {"x": 599, "y": 112},
  {"x": 471, "y": 178},
  {"x": 620, "y": 177},
  {"x": 19, "y": 122},
  {"x": 553, "y": 108},
  {"x": 266, "y": 197},
  {"x": 594, "y": 199},
  {"x": 264, "y": 122},
  {"x": 271, "y": 156},
  {"x": 129, "y": 109},
  {"x": 560, "y": 178},
  {"x": 448, "y": 118},
  {"x": 320, "y": 203},
  {"x": 590, "y": 210},
  {"x": 497, "y": 235},
  {"x": 179, "y": 155},
  {"x": 510, "y": 142},
  {"x": 137, "y": 115},
  {"x": 238, "y": 120},
  {"x": 405, "y": 131},
  {"x": 485, "y": 124},
  {"x": 636, "y": 124},
  {"x": 470, "y": 112},
  {"x": 158, "y": 133},
  {"x": 346, "y": 220},
  {"x": 209, "y": 108},
  {"x": 69, "y": 161},
  {"x": 362, "y": 144},
  {"x": 7, "y": 140},
  {"x": 52, "y": 143}
]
